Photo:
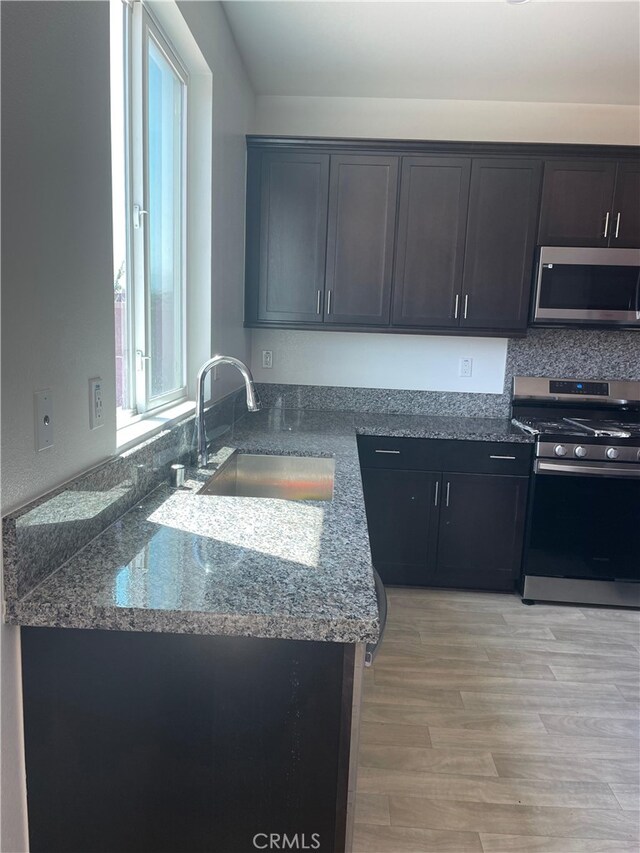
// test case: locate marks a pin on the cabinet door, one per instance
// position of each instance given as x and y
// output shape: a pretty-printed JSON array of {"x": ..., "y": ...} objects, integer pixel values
[
  {"x": 576, "y": 203},
  {"x": 625, "y": 213},
  {"x": 432, "y": 221},
  {"x": 402, "y": 509},
  {"x": 362, "y": 215},
  {"x": 480, "y": 537},
  {"x": 501, "y": 232},
  {"x": 294, "y": 191}
]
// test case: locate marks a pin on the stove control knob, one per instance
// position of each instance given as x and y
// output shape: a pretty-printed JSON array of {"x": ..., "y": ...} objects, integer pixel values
[
  {"x": 560, "y": 450},
  {"x": 612, "y": 453},
  {"x": 580, "y": 451}
]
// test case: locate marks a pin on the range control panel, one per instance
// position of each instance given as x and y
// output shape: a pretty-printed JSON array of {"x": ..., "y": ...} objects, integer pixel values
[{"x": 592, "y": 389}]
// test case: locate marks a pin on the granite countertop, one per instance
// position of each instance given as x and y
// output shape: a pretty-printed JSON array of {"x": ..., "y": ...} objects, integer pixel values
[
  {"x": 180, "y": 562},
  {"x": 440, "y": 426}
]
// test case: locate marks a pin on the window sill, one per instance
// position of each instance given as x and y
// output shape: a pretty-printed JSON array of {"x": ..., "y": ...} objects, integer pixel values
[{"x": 135, "y": 433}]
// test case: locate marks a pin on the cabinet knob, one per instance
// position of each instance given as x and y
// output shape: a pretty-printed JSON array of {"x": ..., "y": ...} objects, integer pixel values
[{"x": 606, "y": 224}]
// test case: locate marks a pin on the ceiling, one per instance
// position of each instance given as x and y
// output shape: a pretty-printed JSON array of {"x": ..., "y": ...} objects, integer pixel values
[{"x": 566, "y": 52}]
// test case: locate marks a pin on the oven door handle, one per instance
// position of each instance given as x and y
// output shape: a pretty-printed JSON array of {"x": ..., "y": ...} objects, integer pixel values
[{"x": 596, "y": 469}]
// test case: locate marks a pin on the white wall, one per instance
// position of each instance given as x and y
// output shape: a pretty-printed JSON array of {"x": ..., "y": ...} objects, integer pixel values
[
  {"x": 491, "y": 121},
  {"x": 367, "y": 360},
  {"x": 233, "y": 118},
  {"x": 57, "y": 276},
  {"x": 57, "y": 285},
  {"x": 416, "y": 362}
]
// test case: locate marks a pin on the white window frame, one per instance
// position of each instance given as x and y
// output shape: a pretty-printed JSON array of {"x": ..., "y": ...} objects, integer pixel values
[
  {"x": 140, "y": 28},
  {"x": 134, "y": 427}
]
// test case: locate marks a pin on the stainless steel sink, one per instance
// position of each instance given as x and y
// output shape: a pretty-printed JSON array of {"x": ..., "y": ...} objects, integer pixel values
[{"x": 293, "y": 478}]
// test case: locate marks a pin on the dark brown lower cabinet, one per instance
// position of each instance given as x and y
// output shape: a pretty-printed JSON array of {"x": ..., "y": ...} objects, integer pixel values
[
  {"x": 161, "y": 743},
  {"x": 481, "y": 531},
  {"x": 445, "y": 528},
  {"x": 402, "y": 516}
]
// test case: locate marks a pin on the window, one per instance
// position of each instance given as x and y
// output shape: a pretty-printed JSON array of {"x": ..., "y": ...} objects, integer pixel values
[{"x": 150, "y": 86}]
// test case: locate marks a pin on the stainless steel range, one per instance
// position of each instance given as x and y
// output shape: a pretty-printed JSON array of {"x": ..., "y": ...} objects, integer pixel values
[{"x": 583, "y": 533}]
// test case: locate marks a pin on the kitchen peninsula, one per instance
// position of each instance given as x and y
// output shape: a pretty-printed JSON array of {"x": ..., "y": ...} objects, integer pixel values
[{"x": 231, "y": 630}]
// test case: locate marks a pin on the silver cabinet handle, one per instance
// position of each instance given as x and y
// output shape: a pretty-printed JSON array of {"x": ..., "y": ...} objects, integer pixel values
[
  {"x": 455, "y": 310},
  {"x": 319, "y": 303},
  {"x": 606, "y": 224},
  {"x": 435, "y": 497},
  {"x": 387, "y": 451},
  {"x": 328, "y": 302},
  {"x": 617, "y": 226},
  {"x": 446, "y": 499},
  {"x": 502, "y": 457},
  {"x": 466, "y": 305}
]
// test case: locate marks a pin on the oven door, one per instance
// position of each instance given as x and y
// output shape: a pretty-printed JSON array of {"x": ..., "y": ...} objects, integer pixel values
[
  {"x": 588, "y": 286},
  {"x": 584, "y": 521}
]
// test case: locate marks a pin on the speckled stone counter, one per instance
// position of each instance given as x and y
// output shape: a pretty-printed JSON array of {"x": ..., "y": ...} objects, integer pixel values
[
  {"x": 439, "y": 426},
  {"x": 187, "y": 563},
  {"x": 180, "y": 562}
]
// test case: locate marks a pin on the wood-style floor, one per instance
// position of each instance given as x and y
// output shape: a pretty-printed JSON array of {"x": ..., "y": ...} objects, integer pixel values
[{"x": 491, "y": 726}]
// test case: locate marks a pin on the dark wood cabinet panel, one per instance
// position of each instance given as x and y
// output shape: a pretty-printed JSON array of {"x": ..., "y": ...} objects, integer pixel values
[
  {"x": 438, "y": 454},
  {"x": 168, "y": 743},
  {"x": 501, "y": 232},
  {"x": 481, "y": 531},
  {"x": 451, "y": 513},
  {"x": 294, "y": 191},
  {"x": 576, "y": 203},
  {"x": 340, "y": 238},
  {"x": 360, "y": 239},
  {"x": 434, "y": 194},
  {"x": 402, "y": 509},
  {"x": 625, "y": 213}
]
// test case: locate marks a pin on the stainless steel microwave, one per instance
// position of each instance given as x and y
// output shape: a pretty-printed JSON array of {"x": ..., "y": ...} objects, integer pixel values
[{"x": 587, "y": 286}]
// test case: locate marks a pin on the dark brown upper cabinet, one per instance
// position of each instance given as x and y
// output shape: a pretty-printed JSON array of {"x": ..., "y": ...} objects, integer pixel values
[
  {"x": 432, "y": 237},
  {"x": 360, "y": 238},
  {"x": 625, "y": 212},
  {"x": 432, "y": 221},
  {"x": 286, "y": 243},
  {"x": 501, "y": 238},
  {"x": 590, "y": 203}
]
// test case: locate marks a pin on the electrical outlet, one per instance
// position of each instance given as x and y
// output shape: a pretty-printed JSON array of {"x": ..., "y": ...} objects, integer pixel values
[
  {"x": 96, "y": 407},
  {"x": 44, "y": 419},
  {"x": 267, "y": 358},
  {"x": 466, "y": 367}
]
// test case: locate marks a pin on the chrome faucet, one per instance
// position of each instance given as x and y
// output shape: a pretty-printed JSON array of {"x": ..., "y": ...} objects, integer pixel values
[{"x": 253, "y": 404}]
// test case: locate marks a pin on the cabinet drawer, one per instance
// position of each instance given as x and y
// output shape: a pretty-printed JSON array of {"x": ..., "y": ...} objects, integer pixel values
[
  {"x": 438, "y": 454},
  {"x": 416, "y": 454},
  {"x": 488, "y": 457}
]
